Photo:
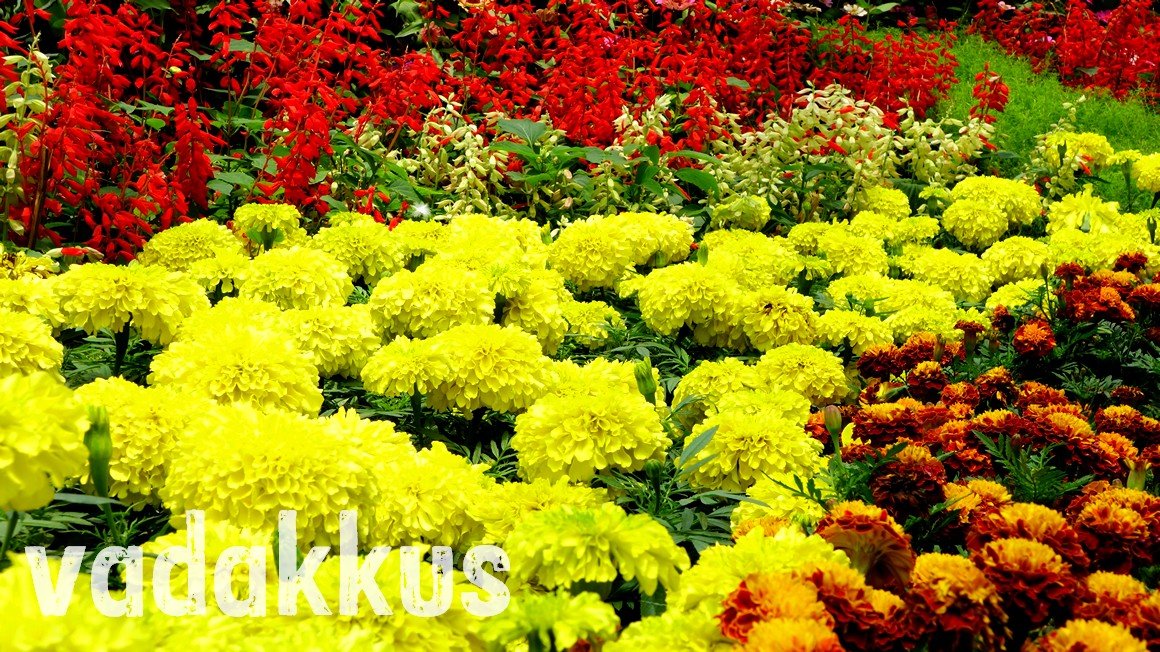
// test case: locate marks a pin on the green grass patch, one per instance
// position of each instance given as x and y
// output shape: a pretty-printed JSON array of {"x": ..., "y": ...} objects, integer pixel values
[{"x": 1037, "y": 102}]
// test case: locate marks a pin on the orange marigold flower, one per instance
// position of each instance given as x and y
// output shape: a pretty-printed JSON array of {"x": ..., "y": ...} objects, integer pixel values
[
  {"x": 1036, "y": 585},
  {"x": 1035, "y": 339},
  {"x": 880, "y": 361},
  {"x": 1145, "y": 296},
  {"x": 1033, "y": 393},
  {"x": 1001, "y": 319},
  {"x": 1145, "y": 620},
  {"x": 957, "y": 438},
  {"x": 1029, "y": 521},
  {"x": 874, "y": 542},
  {"x": 765, "y": 596},
  {"x": 996, "y": 384},
  {"x": 910, "y": 484},
  {"x": 976, "y": 498},
  {"x": 1121, "y": 281},
  {"x": 919, "y": 347},
  {"x": 1131, "y": 262},
  {"x": 1129, "y": 422},
  {"x": 1069, "y": 271},
  {"x": 1080, "y": 635},
  {"x": 1128, "y": 395},
  {"x": 792, "y": 635},
  {"x": 884, "y": 424},
  {"x": 964, "y": 393},
  {"x": 953, "y": 601},
  {"x": 997, "y": 423},
  {"x": 926, "y": 381},
  {"x": 864, "y": 617},
  {"x": 1120, "y": 527},
  {"x": 1111, "y": 597}
]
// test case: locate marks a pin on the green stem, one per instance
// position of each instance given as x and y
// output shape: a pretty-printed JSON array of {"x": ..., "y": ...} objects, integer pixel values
[
  {"x": 535, "y": 644},
  {"x": 121, "y": 342},
  {"x": 9, "y": 532}
]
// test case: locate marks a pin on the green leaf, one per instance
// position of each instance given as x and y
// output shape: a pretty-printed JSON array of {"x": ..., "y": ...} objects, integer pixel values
[
  {"x": 162, "y": 5},
  {"x": 519, "y": 149},
  {"x": 527, "y": 130},
  {"x": 155, "y": 123},
  {"x": 235, "y": 178},
  {"x": 242, "y": 45},
  {"x": 738, "y": 83},
  {"x": 699, "y": 178}
]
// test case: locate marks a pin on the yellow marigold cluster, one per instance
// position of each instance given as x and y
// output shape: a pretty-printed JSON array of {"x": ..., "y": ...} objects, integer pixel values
[
  {"x": 964, "y": 275},
  {"x": 369, "y": 250},
  {"x": 430, "y": 300},
  {"x": 241, "y": 465},
  {"x": 27, "y": 345},
  {"x": 975, "y": 223},
  {"x": 270, "y": 219},
  {"x": 749, "y": 212},
  {"x": 1018, "y": 201},
  {"x": 42, "y": 430},
  {"x": 574, "y": 437},
  {"x": 233, "y": 361},
  {"x": 854, "y": 329},
  {"x": 591, "y": 254},
  {"x": 563, "y": 546},
  {"x": 852, "y": 254},
  {"x": 1085, "y": 212},
  {"x": 889, "y": 202},
  {"x": 558, "y": 621},
  {"x": 296, "y": 277},
  {"x": 591, "y": 322},
  {"x": 339, "y": 339},
  {"x": 812, "y": 372},
  {"x": 154, "y": 299},
  {"x": 752, "y": 260},
  {"x": 745, "y": 446},
  {"x": 1015, "y": 295},
  {"x": 33, "y": 295},
  {"x": 508, "y": 503},
  {"x": 1015, "y": 259},
  {"x": 775, "y": 316},
  {"x": 180, "y": 247},
  {"x": 689, "y": 294},
  {"x": 1091, "y": 149},
  {"x": 145, "y": 425},
  {"x": 1146, "y": 173}
]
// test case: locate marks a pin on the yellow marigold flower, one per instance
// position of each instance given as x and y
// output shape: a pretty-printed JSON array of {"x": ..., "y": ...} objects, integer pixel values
[
  {"x": 591, "y": 321},
  {"x": 851, "y": 291},
  {"x": 869, "y": 224},
  {"x": 575, "y": 437},
  {"x": 653, "y": 237},
  {"x": 915, "y": 230},
  {"x": 752, "y": 260},
  {"x": 27, "y": 629},
  {"x": 421, "y": 237},
  {"x": 179, "y": 247},
  {"x": 339, "y": 339},
  {"x": 234, "y": 313},
  {"x": 1083, "y": 211},
  {"x": 19, "y": 264},
  {"x": 781, "y": 404},
  {"x": 858, "y": 331},
  {"x": 1018, "y": 201},
  {"x": 1146, "y": 173},
  {"x": 491, "y": 366},
  {"x": 244, "y": 466},
  {"x": 368, "y": 250},
  {"x": 776, "y": 316},
  {"x": 721, "y": 568},
  {"x": 889, "y": 202},
  {"x": 746, "y": 447},
  {"x": 427, "y": 497},
  {"x": 1091, "y": 149},
  {"x": 465, "y": 232},
  {"x": 33, "y": 295},
  {"x": 296, "y": 277},
  {"x": 699, "y": 390},
  {"x": 851, "y": 254},
  {"x": 508, "y": 503},
  {"x": 778, "y": 500},
  {"x": 1089, "y": 635},
  {"x": 975, "y": 223},
  {"x": 673, "y": 632},
  {"x": 599, "y": 375},
  {"x": 920, "y": 319},
  {"x": 221, "y": 271},
  {"x": 963, "y": 275},
  {"x": 791, "y": 635},
  {"x": 1095, "y": 250},
  {"x": 406, "y": 366},
  {"x": 590, "y": 254},
  {"x": 565, "y": 545},
  {"x": 812, "y": 372},
  {"x": 687, "y": 294},
  {"x": 258, "y": 366},
  {"x": 42, "y": 429},
  {"x": 219, "y": 536},
  {"x": 433, "y": 298},
  {"x": 805, "y": 237},
  {"x": 255, "y": 218},
  {"x": 1015, "y": 259},
  {"x": 145, "y": 424},
  {"x": 539, "y": 308},
  {"x": 349, "y": 218},
  {"x": 96, "y": 296},
  {"x": 749, "y": 212},
  {"x": 1015, "y": 295},
  {"x": 27, "y": 345},
  {"x": 557, "y": 620}
]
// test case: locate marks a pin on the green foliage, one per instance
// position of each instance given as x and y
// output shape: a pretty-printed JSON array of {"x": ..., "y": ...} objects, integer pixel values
[{"x": 1029, "y": 476}]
